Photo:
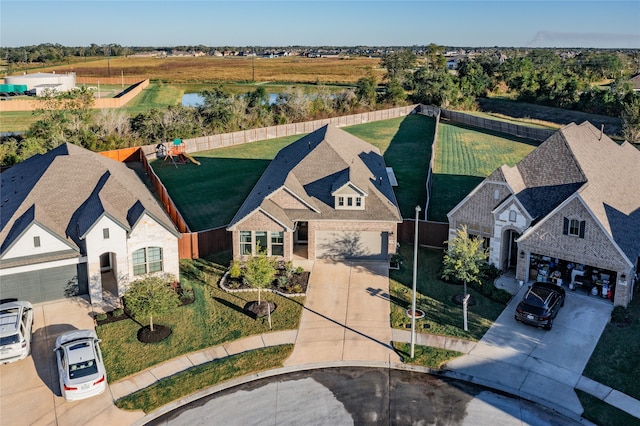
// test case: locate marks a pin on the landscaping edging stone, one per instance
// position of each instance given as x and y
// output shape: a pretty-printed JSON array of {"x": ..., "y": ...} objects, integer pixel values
[{"x": 246, "y": 290}]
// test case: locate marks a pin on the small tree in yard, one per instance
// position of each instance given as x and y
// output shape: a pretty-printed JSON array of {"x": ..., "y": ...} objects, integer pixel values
[
  {"x": 151, "y": 296},
  {"x": 259, "y": 272},
  {"x": 463, "y": 259}
]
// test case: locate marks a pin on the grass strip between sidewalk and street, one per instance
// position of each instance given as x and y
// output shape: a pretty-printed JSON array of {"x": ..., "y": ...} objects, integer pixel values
[
  {"x": 204, "y": 376},
  {"x": 601, "y": 413},
  {"x": 425, "y": 356}
]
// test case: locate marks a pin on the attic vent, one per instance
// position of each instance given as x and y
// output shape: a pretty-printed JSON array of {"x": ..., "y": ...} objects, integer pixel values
[
  {"x": 309, "y": 144},
  {"x": 601, "y": 132}
]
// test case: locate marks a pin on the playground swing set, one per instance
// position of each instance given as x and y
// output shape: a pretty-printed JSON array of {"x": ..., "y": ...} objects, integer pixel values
[{"x": 175, "y": 152}]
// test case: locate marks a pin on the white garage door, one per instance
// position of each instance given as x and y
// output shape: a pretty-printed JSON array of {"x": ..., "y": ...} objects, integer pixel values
[{"x": 352, "y": 245}]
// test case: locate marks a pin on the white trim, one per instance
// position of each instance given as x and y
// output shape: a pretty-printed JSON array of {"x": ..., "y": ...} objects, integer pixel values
[
  {"x": 504, "y": 205},
  {"x": 43, "y": 265},
  {"x": 352, "y": 185}
]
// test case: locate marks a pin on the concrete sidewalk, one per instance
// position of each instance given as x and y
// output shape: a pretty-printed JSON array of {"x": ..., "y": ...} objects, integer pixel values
[{"x": 336, "y": 328}]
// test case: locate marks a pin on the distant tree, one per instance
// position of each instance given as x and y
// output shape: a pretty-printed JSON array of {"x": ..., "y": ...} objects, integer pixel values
[
  {"x": 472, "y": 78},
  {"x": 366, "y": 90},
  {"x": 435, "y": 60},
  {"x": 398, "y": 64},
  {"x": 394, "y": 93},
  {"x": 631, "y": 120},
  {"x": 435, "y": 87},
  {"x": 152, "y": 295}
]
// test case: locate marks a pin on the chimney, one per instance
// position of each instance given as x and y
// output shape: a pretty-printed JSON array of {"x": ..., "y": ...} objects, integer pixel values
[{"x": 601, "y": 132}]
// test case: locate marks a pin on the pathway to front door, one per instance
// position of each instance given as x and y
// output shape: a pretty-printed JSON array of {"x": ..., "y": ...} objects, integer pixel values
[{"x": 346, "y": 314}]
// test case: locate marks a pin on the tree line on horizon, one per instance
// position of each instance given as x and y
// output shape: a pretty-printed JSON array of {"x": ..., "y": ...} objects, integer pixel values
[{"x": 541, "y": 76}]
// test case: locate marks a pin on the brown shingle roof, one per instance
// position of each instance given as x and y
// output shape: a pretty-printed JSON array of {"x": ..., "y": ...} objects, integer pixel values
[{"x": 310, "y": 167}]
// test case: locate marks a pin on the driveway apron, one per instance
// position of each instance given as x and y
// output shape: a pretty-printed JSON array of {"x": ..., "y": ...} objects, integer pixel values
[
  {"x": 29, "y": 389},
  {"x": 545, "y": 364},
  {"x": 345, "y": 317}
]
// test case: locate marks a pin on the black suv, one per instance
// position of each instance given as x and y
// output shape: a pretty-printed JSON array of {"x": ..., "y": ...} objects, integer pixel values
[{"x": 540, "y": 304}]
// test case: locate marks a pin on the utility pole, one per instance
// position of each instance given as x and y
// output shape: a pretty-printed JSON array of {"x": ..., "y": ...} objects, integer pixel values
[{"x": 415, "y": 277}]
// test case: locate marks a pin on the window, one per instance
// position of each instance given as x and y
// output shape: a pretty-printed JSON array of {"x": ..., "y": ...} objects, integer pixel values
[
  {"x": 513, "y": 216},
  {"x": 261, "y": 242},
  {"x": 349, "y": 201},
  {"x": 277, "y": 244},
  {"x": 358, "y": 201},
  {"x": 340, "y": 201},
  {"x": 147, "y": 260},
  {"x": 246, "y": 243},
  {"x": 105, "y": 233},
  {"x": 36, "y": 241},
  {"x": 574, "y": 227}
]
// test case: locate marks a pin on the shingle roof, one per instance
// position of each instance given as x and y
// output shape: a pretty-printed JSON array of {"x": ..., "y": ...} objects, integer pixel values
[
  {"x": 581, "y": 159},
  {"x": 311, "y": 167},
  {"x": 68, "y": 189}
]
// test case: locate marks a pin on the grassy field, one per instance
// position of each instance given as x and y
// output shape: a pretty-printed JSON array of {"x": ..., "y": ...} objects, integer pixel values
[
  {"x": 231, "y": 69},
  {"x": 203, "y": 376},
  {"x": 464, "y": 157},
  {"x": 435, "y": 298},
  {"x": 214, "y": 318},
  {"x": 209, "y": 195}
]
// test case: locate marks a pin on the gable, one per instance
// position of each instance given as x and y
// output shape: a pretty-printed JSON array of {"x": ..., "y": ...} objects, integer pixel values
[
  {"x": 349, "y": 189},
  {"x": 476, "y": 210},
  {"x": 286, "y": 200},
  {"x": 25, "y": 246},
  {"x": 259, "y": 220},
  {"x": 594, "y": 247}
]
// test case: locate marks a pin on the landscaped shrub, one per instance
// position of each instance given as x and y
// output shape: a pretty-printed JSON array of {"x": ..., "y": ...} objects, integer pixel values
[
  {"x": 101, "y": 317},
  {"x": 118, "y": 312},
  {"x": 236, "y": 270}
]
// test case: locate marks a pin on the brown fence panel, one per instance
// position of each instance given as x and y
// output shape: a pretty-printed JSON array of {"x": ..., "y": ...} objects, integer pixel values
[
  {"x": 497, "y": 125},
  {"x": 431, "y": 234},
  {"x": 214, "y": 241}
]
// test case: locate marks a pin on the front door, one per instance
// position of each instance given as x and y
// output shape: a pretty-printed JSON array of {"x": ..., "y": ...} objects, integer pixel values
[{"x": 302, "y": 232}]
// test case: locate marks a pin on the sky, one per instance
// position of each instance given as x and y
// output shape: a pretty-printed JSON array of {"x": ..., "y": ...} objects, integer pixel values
[{"x": 470, "y": 23}]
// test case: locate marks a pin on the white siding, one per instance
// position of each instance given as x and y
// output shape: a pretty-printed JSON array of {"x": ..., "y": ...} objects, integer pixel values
[
  {"x": 25, "y": 247},
  {"x": 96, "y": 245},
  {"x": 149, "y": 233}
]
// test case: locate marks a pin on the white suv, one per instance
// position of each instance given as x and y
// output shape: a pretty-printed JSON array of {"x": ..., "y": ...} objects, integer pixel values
[{"x": 16, "y": 322}]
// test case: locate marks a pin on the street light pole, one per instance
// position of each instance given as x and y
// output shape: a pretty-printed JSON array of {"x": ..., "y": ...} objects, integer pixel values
[{"x": 415, "y": 277}]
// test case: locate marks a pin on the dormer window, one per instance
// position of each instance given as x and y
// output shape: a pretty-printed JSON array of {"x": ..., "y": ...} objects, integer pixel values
[
  {"x": 340, "y": 201},
  {"x": 348, "y": 197},
  {"x": 349, "y": 201},
  {"x": 358, "y": 201}
]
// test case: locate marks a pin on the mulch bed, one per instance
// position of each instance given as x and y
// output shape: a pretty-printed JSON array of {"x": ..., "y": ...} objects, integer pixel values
[
  {"x": 296, "y": 284},
  {"x": 261, "y": 310},
  {"x": 159, "y": 333}
]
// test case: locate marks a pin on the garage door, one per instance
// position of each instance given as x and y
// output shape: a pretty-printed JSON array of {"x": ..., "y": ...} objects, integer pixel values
[
  {"x": 352, "y": 245},
  {"x": 45, "y": 284}
]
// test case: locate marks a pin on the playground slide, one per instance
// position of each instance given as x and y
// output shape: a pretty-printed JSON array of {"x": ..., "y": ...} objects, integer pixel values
[{"x": 190, "y": 158}]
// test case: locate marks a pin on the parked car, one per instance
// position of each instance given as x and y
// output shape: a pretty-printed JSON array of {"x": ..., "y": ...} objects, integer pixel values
[
  {"x": 540, "y": 304},
  {"x": 80, "y": 366},
  {"x": 16, "y": 324}
]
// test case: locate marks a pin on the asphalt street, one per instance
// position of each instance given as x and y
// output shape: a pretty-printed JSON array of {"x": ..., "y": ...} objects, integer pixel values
[{"x": 360, "y": 396}]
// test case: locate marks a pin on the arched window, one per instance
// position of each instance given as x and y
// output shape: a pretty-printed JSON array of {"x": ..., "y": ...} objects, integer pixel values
[
  {"x": 147, "y": 260},
  {"x": 513, "y": 216}
]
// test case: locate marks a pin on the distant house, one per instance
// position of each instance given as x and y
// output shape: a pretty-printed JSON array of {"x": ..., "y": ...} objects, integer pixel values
[
  {"x": 635, "y": 82},
  {"x": 569, "y": 210},
  {"x": 327, "y": 195},
  {"x": 74, "y": 222}
]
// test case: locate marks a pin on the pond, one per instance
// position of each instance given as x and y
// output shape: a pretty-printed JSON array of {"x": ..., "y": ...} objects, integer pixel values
[{"x": 195, "y": 100}]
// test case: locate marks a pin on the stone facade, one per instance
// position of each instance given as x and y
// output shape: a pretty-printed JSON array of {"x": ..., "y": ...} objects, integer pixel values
[{"x": 475, "y": 210}]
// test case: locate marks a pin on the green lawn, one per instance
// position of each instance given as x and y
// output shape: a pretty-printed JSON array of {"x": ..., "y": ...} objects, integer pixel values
[
  {"x": 464, "y": 157},
  {"x": 209, "y": 195},
  {"x": 614, "y": 362},
  {"x": 214, "y": 318},
  {"x": 603, "y": 414},
  {"x": 204, "y": 376},
  {"x": 406, "y": 146},
  {"x": 425, "y": 356},
  {"x": 435, "y": 298}
]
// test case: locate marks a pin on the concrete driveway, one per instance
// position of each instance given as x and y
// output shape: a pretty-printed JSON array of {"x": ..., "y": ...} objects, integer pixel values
[
  {"x": 345, "y": 316},
  {"x": 29, "y": 389},
  {"x": 540, "y": 363}
]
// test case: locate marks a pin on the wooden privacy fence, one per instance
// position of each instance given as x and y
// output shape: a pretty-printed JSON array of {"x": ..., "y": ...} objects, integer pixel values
[
  {"x": 430, "y": 111},
  {"x": 431, "y": 234},
  {"x": 497, "y": 126}
]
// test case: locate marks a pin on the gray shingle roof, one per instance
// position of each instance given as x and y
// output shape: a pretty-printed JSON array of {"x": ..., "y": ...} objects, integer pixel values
[
  {"x": 68, "y": 189},
  {"x": 313, "y": 165},
  {"x": 578, "y": 158}
]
